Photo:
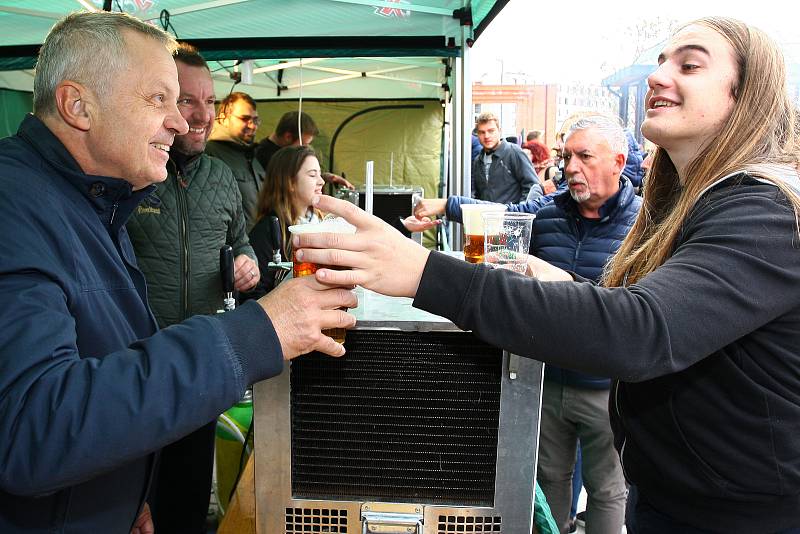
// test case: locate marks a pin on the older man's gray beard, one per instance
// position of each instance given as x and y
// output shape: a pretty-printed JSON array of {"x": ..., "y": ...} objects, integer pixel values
[{"x": 576, "y": 196}]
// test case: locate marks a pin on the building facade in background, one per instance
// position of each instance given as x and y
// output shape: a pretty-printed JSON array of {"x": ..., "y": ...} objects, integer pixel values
[
  {"x": 545, "y": 107},
  {"x": 519, "y": 107}
]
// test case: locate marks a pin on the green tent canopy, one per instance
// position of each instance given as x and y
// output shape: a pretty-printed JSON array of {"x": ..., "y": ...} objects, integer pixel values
[
  {"x": 351, "y": 48},
  {"x": 400, "y": 67}
]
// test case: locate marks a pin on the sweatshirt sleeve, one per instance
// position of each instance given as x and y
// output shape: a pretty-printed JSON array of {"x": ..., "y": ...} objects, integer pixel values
[
  {"x": 72, "y": 414},
  {"x": 86, "y": 414},
  {"x": 736, "y": 269}
]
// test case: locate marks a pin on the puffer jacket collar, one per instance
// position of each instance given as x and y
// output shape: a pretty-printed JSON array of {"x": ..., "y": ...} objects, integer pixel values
[{"x": 619, "y": 201}]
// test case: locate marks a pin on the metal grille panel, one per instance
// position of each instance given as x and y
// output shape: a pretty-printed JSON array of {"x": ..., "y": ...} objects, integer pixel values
[
  {"x": 475, "y": 524},
  {"x": 316, "y": 520},
  {"x": 403, "y": 416}
]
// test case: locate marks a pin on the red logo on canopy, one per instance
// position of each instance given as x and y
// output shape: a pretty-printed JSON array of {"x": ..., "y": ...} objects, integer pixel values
[
  {"x": 393, "y": 11},
  {"x": 143, "y": 5}
]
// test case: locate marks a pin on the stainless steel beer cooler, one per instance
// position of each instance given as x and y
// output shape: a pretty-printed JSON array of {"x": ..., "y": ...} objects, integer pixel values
[{"x": 419, "y": 428}]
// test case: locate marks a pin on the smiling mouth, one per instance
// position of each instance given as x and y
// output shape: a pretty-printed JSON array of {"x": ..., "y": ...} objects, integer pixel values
[
  {"x": 663, "y": 104},
  {"x": 200, "y": 130},
  {"x": 161, "y": 146}
]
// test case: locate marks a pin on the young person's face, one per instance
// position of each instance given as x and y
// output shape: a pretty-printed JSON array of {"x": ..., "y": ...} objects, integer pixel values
[
  {"x": 691, "y": 92},
  {"x": 488, "y": 134},
  {"x": 307, "y": 183}
]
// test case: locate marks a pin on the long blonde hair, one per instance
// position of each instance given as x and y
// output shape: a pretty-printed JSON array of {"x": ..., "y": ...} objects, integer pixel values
[
  {"x": 277, "y": 191},
  {"x": 760, "y": 132}
]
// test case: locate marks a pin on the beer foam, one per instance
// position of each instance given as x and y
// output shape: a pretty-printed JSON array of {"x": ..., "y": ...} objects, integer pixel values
[
  {"x": 332, "y": 226},
  {"x": 472, "y": 216}
]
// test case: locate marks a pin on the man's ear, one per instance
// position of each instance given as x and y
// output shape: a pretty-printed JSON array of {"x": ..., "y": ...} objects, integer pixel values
[
  {"x": 73, "y": 103},
  {"x": 620, "y": 159}
]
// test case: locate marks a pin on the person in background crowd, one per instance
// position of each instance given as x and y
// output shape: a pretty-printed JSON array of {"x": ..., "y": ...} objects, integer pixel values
[
  {"x": 231, "y": 141},
  {"x": 90, "y": 388},
  {"x": 476, "y": 145},
  {"x": 293, "y": 179},
  {"x": 285, "y": 134},
  {"x": 579, "y": 231},
  {"x": 633, "y": 167},
  {"x": 502, "y": 173},
  {"x": 543, "y": 165},
  {"x": 534, "y": 136},
  {"x": 176, "y": 234},
  {"x": 698, "y": 315}
]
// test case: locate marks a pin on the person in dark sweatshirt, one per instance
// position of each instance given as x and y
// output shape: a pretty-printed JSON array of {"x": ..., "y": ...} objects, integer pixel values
[{"x": 698, "y": 315}]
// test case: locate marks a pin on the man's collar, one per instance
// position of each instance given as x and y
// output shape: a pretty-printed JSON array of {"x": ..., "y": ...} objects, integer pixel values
[
  {"x": 112, "y": 198},
  {"x": 567, "y": 203},
  {"x": 220, "y": 133},
  {"x": 497, "y": 148},
  {"x": 183, "y": 161},
  {"x": 45, "y": 142}
]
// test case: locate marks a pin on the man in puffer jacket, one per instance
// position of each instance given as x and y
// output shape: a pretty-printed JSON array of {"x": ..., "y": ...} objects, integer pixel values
[
  {"x": 231, "y": 141},
  {"x": 177, "y": 233},
  {"x": 633, "y": 170},
  {"x": 579, "y": 231}
]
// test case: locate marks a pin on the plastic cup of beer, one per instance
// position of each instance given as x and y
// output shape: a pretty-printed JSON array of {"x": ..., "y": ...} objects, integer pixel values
[
  {"x": 507, "y": 239},
  {"x": 305, "y": 268},
  {"x": 471, "y": 217}
]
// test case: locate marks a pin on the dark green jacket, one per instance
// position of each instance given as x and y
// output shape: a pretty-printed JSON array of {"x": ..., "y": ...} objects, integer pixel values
[
  {"x": 177, "y": 233},
  {"x": 246, "y": 169}
]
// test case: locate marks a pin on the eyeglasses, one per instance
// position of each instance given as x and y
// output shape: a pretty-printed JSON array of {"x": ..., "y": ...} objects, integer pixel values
[{"x": 248, "y": 119}]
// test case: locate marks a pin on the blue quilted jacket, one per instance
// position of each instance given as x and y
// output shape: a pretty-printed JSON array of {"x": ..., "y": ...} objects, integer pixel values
[{"x": 565, "y": 239}]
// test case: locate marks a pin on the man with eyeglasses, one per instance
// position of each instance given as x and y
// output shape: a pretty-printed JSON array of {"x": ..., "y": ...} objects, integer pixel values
[
  {"x": 231, "y": 141},
  {"x": 285, "y": 134}
]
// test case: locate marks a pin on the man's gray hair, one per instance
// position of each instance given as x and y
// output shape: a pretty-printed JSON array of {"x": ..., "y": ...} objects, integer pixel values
[
  {"x": 88, "y": 48},
  {"x": 607, "y": 126}
]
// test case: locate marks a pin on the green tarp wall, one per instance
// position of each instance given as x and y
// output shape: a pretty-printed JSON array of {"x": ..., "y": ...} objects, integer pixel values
[
  {"x": 413, "y": 135},
  {"x": 13, "y": 107}
]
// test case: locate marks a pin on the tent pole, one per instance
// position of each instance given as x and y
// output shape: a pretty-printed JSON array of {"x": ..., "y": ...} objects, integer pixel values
[{"x": 461, "y": 183}]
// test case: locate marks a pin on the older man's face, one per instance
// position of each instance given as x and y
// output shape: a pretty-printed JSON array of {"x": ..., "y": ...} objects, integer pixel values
[
  {"x": 133, "y": 129},
  {"x": 592, "y": 167},
  {"x": 196, "y": 104}
]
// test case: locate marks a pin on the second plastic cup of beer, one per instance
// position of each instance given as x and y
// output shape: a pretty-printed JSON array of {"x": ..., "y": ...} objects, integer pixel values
[
  {"x": 305, "y": 268},
  {"x": 471, "y": 217}
]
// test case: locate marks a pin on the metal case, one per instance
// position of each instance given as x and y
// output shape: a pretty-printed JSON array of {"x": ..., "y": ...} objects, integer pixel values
[
  {"x": 393, "y": 204},
  {"x": 392, "y": 437}
]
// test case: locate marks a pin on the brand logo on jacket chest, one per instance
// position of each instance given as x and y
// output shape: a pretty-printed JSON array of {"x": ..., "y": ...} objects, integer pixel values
[{"x": 142, "y": 210}]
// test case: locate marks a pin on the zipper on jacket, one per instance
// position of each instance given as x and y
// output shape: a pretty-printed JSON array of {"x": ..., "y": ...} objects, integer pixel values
[
  {"x": 113, "y": 213},
  {"x": 577, "y": 223},
  {"x": 180, "y": 186}
]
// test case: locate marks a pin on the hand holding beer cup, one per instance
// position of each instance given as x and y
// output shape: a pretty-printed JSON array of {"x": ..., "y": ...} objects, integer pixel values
[
  {"x": 305, "y": 268},
  {"x": 377, "y": 257},
  {"x": 301, "y": 309},
  {"x": 507, "y": 239}
]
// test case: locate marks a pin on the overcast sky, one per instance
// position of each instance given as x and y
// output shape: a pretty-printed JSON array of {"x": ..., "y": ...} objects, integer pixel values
[{"x": 555, "y": 41}]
